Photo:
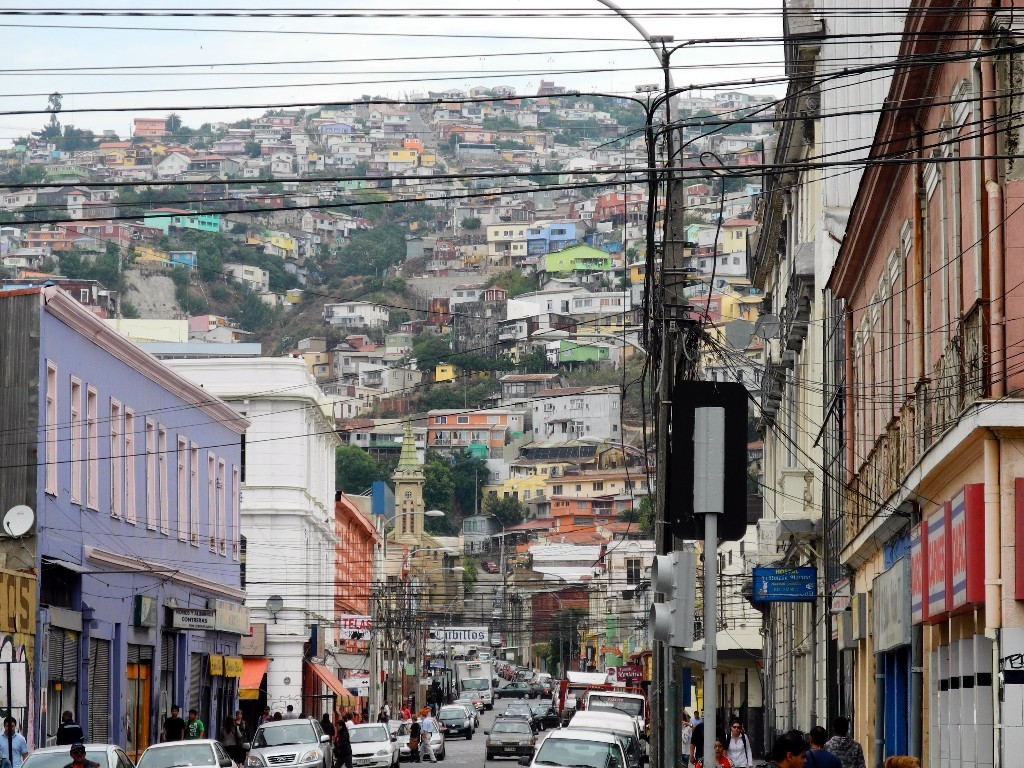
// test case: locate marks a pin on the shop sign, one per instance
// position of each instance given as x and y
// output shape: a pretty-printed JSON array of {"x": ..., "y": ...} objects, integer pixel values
[
  {"x": 192, "y": 618},
  {"x": 352, "y": 627},
  {"x": 216, "y": 665},
  {"x": 937, "y": 551},
  {"x": 967, "y": 547},
  {"x": 890, "y": 607},
  {"x": 785, "y": 585},
  {"x": 144, "y": 613},
  {"x": 254, "y": 643},
  {"x": 232, "y": 666},
  {"x": 230, "y": 617},
  {"x": 459, "y": 634},
  {"x": 630, "y": 673},
  {"x": 18, "y": 601},
  {"x": 917, "y": 558}
]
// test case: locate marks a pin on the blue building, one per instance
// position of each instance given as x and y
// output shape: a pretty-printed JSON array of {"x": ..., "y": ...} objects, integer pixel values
[
  {"x": 550, "y": 236},
  {"x": 127, "y": 481}
]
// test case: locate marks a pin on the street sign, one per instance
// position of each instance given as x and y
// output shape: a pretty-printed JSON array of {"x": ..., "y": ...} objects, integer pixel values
[{"x": 785, "y": 585}]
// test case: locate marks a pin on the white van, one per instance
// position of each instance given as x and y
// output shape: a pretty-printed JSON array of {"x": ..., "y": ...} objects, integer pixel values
[{"x": 623, "y": 727}]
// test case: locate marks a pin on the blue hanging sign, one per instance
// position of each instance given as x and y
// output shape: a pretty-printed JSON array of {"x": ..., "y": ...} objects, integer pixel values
[{"x": 785, "y": 585}]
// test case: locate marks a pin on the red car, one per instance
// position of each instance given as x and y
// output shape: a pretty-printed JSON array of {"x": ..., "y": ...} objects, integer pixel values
[{"x": 490, "y": 566}]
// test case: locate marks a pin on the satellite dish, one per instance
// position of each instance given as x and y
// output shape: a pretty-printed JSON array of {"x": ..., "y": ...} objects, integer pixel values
[
  {"x": 18, "y": 520},
  {"x": 274, "y": 604}
]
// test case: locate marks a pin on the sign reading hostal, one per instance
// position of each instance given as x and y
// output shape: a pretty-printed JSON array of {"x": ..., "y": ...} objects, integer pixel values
[{"x": 193, "y": 618}]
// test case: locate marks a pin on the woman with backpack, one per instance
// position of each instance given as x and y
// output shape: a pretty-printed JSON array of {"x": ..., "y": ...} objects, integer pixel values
[{"x": 737, "y": 748}]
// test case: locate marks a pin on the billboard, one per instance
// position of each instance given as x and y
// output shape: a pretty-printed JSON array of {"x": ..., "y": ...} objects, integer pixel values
[{"x": 785, "y": 585}]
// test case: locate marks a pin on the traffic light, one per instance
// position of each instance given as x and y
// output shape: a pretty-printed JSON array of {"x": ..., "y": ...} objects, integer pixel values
[
  {"x": 691, "y": 401},
  {"x": 674, "y": 576}
]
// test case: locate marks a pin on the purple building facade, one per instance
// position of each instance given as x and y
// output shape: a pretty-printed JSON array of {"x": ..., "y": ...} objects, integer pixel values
[{"x": 131, "y": 477}]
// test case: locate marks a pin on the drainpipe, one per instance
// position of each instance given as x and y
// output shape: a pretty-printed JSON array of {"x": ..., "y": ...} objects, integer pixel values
[
  {"x": 993, "y": 578},
  {"x": 917, "y": 294},
  {"x": 879, "y": 711},
  {"x": 994, "y": 238},
  {"x": 851, "y": 401}
]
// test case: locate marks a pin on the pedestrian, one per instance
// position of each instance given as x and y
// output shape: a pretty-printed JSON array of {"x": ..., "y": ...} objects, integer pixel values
[
  {"x": 737, "y": 746},
  {"x": 194, "y": 728},
  {"x": 229, "y": 739},
  {"x": 427, "y": 729},
  {"x": 720, "y": 759},
  {"x": 685, "y": 734},
  {"x": 382, "y": 715},
  {"x": 817, "y": 755},
  {"x": 278, "y": 716},
  {"x": 174, "y": 726},
  {"x": 69, "y": 731},
  {"x": 697, "y": 719},
  {"x": 788, "y": 750},
  {"x": 842, "y": 746},
  {"x": 343, "y": 744},
  {"x": 12, "y": 744},
  {"x": 387, "y": 709},
  {"x": 241, "y": 733},
  {"x": 326, "y": 725},
  {"x": 697, "y": 740},
  {"x": 78, "y": 757},
  {"x": 266, "y": 717},
  {"x": 415, "y": 731},
  {"x": 902, "y": 761},
  {"x": 406, "y": 712},
  {"x": 289, "y": 713}
]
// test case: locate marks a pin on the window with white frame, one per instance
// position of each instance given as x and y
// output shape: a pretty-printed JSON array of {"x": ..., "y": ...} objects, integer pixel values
[
  {"x": 236, "y": 502},
  {"x": 51, "y": 418},
  {"x": 77, "y": 434},
  {"x": 211, "y": 498},
  {"x": 92, "y": 445},
  {"x": 117, "y": 459},
  {"x": 165, "y": 500},
  {"x": 193, "y": 504},
  {"x": 131, "y": 461},
  {"x": 182, "y": 478},
  {"x": 222, "y": 509},
  {"x": 151, "y": 490}
]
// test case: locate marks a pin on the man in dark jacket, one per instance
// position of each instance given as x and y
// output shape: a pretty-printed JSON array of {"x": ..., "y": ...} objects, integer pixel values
[{"x": 69, "y": 731}]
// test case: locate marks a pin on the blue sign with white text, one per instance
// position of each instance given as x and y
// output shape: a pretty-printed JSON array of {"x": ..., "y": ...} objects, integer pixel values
[{"x": 785, "y": 585}]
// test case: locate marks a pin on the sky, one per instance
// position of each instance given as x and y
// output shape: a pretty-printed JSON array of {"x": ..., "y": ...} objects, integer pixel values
[{"x": 208, "y": 68}]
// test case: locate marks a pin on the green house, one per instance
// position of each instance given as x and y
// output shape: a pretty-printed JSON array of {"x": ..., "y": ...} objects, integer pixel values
[
  {"x": 571, "y": 352},
  {"x": 577, "y": 258}
]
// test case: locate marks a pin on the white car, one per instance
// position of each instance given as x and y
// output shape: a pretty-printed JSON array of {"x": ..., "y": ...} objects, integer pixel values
[
  {"x": 578, "y": 749},
  {"x": 373, "y": 746},
  {"x": 104, "y": 755},
  {"x": 186, "y": 754},
  {"x": 282, "y": 743}
]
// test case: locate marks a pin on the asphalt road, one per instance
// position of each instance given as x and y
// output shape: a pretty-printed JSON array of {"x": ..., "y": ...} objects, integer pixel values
[{"x": 466, "y": 753}]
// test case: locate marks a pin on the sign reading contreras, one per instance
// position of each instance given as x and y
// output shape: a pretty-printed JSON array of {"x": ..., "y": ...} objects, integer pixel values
[
  {"x": 459, "y": 634},
  {"x": 193, "y": 618},
  {"x": 351, "y": 627}
]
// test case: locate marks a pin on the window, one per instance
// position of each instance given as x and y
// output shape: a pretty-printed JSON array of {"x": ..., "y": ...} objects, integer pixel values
[
  {"x": 735, "y": 259},
  {"x": 211, "y": 498},
  {"x": 193, "y": 504},
  {"x": 117, "y": 459},
  {"x": 579, "y": 488},
  {"x": 598, "y": 486},
  {"x": 165, "y": 502},
  {"x": 151, "y": 498},
  {"x": 556, "y": 490},
  {"x": 440, "y": 419},
  {"x": 130, "y": 461},
  {"x": 92, "y": 440},
  {"x": 222, "y": 508},
  {"x": 51, "y": 428},
  {"x": 633, "y": 570},
  {"x": 182, "y": 488},
  {"x": 76, "y": 441},
  {"x": 462, "y": 419}
]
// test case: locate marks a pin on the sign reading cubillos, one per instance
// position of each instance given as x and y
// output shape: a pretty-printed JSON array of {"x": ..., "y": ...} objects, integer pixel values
[
  {"x": 193, "y": 618},
  {"x": 459, "y": 634}
]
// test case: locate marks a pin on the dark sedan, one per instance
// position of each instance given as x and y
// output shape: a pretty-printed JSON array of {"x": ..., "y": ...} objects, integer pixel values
[
  {"x": 525, "y": 711},
  {"x": 514, "y": 691},
  {"x": 545, "y": 714}
]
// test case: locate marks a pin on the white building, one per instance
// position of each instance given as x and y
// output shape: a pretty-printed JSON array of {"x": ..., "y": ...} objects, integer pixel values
[
  {"x": 356, "y": 313},
  {"x": 287, "y": 507},
  {"x": 571, "y": 413},
  {"x": 256, "y": 278}
]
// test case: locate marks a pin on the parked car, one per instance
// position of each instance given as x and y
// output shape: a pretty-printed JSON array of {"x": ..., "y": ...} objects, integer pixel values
[
  {"x": 104, "y": 755},
  {"x": 523, "y": 710},
  {"x": 544, "y": 712},
  {"x": 623, "y": 726},
  {"x": 510, "y": 737},
  {"x": 578, "y": 749},
  {"x": 456, "y": 721},
  {"x": 473, "y": 699},
  {"x": 468, "y": 706},
  {"x": 177, "y": 754},
  {"x": 490, "y": 566},
  {"x": 373, "y": 745},
  {"x": 290, "y": 742},
  {"x": 436, "y": 740},
  {"x": 514, "y": 691}
]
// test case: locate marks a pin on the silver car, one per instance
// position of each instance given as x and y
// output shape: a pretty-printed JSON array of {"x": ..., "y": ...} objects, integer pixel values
[
  {"x": 179, "y": 754},
  {"x": 282, "y": 743},
  {"x": 373, "y": 746}
]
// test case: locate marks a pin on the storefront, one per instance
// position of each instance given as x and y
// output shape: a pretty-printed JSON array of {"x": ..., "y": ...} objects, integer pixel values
[
  {"x": 891, "y": 630},
  {"x": 17, "y": 643}
]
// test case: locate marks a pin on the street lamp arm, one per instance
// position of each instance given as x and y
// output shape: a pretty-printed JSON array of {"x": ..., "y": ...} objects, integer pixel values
[{"x": 613, "y": 6}]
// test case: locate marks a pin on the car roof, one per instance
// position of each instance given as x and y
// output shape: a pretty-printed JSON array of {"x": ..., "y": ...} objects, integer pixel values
[
  {"x": 169, "y": 744},
  {"x": 368, "y": 725},
  {"x": 611, "y": 719},
  {"x": 582, "y": 735},
  {"x": 280, "y": 723}
]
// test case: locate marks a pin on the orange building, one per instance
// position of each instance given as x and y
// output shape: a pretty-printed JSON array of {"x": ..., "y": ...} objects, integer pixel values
[
  {"x": 354, "y": 556},
  {"x": 492, "y": 429},
  {"x": 150, "y": 127}
]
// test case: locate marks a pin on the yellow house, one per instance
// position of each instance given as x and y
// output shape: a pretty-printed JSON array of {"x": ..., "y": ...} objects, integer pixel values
[
  {"x": 527, "y": 479},
  {"x": 445, "y": 372},
  {"x": 147, "y": 253},
  {"x": 254, "y": 238},
  {"x": 734, "y": 234},
  {"x": 403, "y": 156},
  {"x": 428, "y": 160},
  {"x": 286, "y": 245},
  {"x": 637, "y": 272}
]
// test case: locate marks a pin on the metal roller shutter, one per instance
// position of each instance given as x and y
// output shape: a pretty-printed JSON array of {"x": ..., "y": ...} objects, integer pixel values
[
  {"x": 62, "y": 658},
  {"x": 138, "y": 654},
  {"x": 167, "y": 653},
  {"x": 195, "y": 679},
  {"x": 99, "y": 690}
]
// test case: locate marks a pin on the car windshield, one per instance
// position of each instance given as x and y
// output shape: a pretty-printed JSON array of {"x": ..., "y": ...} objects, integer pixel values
[
  {"x": 512, "y": 727},
  {"x": 631, "y": 707},
  {"x": 180, "y": 755},
  {"x": 476, "y": 684},
  {"x": 540, "y": 709},
  {"x": 453, "y": 713},
  {"x": 363, "y": 735},
  {"x": 579, "y": 754},
  {"x": 61, "y": 758},
  {"x": 282, "y": 735}
]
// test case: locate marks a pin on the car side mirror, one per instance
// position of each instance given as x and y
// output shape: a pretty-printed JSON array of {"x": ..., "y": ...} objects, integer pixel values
[
  {"x": 394, "y": 738},
  {"x": 247, "y": 746},
  {"x": 226, "y": 763},
  {"x": 324, "y": 739},
  {"x": 487, "y": 733}
]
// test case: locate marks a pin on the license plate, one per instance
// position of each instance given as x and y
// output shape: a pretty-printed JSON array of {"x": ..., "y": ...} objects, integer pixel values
[
  {"x": 511, "y": 749},
  {"x": 368, "y": 761}
]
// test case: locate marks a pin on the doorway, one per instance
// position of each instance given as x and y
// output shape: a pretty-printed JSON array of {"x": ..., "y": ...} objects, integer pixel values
[{"x": 137, "y": 703}]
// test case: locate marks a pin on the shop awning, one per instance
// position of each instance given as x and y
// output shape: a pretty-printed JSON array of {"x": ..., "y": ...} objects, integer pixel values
[
  {"x": 328, "y": 678},
  {"x": 253, "y": 671}
]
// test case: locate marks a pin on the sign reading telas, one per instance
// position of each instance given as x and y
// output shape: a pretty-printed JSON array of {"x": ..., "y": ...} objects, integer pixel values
[
  {"x": 459, "y": 634},
  {"x": 354, "y": 627}
]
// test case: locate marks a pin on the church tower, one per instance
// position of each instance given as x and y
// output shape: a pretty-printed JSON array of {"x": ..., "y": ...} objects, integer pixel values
[{"x": 408, "y": 480}]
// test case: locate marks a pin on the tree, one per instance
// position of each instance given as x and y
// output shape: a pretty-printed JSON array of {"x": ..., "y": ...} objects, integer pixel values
[
  {"x": 429, "y": 349},
  {"x": 509, "y": 510},
  {"x": 53, "y": 106},
  {"x": 470, "y": 223},
  {"x": 253, "y": 148},
  {"x": 173, "y": 124},
  {"x": 438, "y": 485},
  {"x": 470, "y": 474},
  {"x": 354, "y": 470},
  {"x": 564, "y": 636}
]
